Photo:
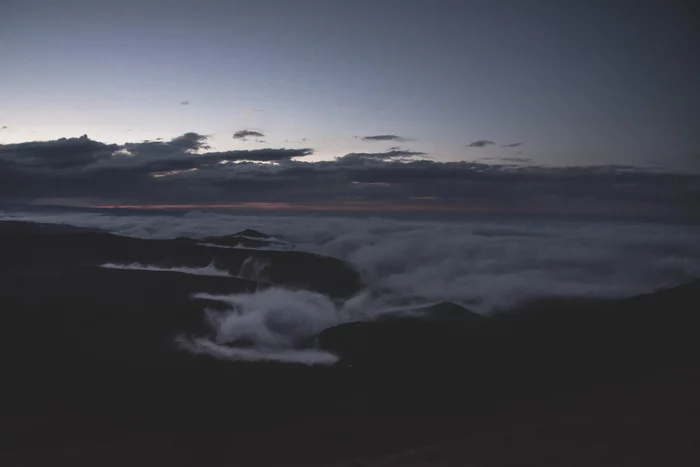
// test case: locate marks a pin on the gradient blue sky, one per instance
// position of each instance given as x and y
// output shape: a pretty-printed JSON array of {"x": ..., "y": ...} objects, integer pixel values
[{"x": 578, "y": 82}]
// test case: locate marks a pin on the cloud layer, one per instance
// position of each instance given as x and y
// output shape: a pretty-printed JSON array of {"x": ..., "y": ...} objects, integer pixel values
[
  {"x": 184, "y": 171},
  {"x": 486, "y": 265}
]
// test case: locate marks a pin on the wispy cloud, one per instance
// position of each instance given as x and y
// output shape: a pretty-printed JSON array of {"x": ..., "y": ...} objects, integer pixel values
[
  {"x": 512, "y": 145},
  {"x": 184, "y": 102},
  {"x": 382, "y": 138},
  {"x": 245, "y": 134},
  {"x": 480, "y": 144}
]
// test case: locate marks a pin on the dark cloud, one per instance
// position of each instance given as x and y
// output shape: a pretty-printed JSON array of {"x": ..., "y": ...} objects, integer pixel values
[
  {"x": 512, "y": 145},
  {"x": 190, "y": 142},
  {"x": 392, "y": 155},
  {"x": 184, "y": 171},
  {"x": 245, "y": 134},
  {"x": 173, "y": 158},
  {"x": 383, "y": 138},
  {"x": 184, "y": 102},
  {"x": 4, "y": 127},
  {"x": 84, "y": 167},
  {"x": 516, "y": 159},
  {"x": 63, "y": 153},
  {"x": 480, "y": 144}
]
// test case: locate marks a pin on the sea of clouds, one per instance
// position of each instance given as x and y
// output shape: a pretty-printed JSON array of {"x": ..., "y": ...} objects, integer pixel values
[
  {"x": 486, "y": 266},
  {"x": 489, "y": 265}
]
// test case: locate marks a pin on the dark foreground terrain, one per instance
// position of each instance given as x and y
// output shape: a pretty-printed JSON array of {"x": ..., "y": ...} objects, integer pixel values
[{"x": 91, "y": 374}]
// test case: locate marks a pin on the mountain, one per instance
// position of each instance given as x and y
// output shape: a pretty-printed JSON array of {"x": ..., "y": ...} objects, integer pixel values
[
  {"x": 39, "y": 247},
  {"x": 66, "y": 317},
  {"x": 248, "y": 238},
  {"x": 93, "y": 373}
]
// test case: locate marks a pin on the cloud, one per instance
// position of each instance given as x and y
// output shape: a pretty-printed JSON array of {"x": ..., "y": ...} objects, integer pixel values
[
  {"x": 261, "y": 155},
  {"x": 184, "y": 171},
  {"x": 480, "y": 144},
  {"x": 190, "y": 141},
  {"x": 80, "y": 167},
  {"x": 203, "y": 346},
  {"x": 210, "y": 270},
  {"x": 4, "y": 127},
  {"x": 59, "y": 154},
  {"x": 273, "y": 318},
  {"x": 245, "y": 134},
  {"x": 516, "y": 159},
  {"x": 511, "y": 145},
  {"x": 183, "y": 160},
  {"x": 395, "y": 154},
  {"x": 184, "y": 102},
  {"x": 383, "y": 138},
  {"x": 485, "y": 264}
]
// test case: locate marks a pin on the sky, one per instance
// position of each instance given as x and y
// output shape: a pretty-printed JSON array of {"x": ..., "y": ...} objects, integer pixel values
[{"x": 470, "y": 94}]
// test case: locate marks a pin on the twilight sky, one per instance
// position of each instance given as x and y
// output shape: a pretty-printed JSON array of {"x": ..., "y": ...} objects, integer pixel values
[{"x": 576, "y": 83}]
